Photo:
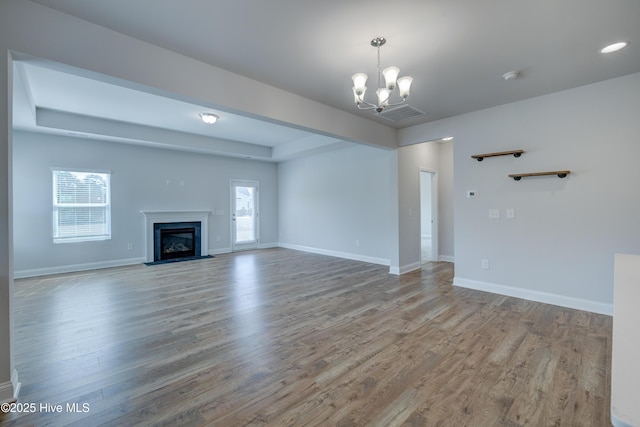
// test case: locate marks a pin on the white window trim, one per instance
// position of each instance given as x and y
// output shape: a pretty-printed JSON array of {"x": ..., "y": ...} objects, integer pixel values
[{"x": 106, "y": 205}]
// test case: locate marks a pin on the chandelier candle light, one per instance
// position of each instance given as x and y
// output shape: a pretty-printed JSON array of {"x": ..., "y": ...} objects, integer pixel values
[{"x": 384, "y": 93}]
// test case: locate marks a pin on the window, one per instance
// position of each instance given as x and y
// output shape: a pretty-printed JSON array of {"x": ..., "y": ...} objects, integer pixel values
[{"x": 81, "y": 206}]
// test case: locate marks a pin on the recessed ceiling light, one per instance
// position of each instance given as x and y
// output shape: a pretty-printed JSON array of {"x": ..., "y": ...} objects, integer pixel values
[
  {"x": 209, "y": 118},
  {"x": 614, "y": 47}
]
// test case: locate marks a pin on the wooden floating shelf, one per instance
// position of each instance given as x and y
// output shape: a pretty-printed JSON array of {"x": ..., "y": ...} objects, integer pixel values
[
  {"x": 515, "y": 153},
  {"x": 519, "y": 176}
]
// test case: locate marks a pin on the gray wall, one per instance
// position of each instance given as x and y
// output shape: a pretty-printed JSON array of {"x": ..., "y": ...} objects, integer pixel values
[
  {"x": 340, "y": 203},
  {"x": 426, "y": 214},
  {"x": 142, "y": 179},
  {"x": 560, "y": 246},
  {"x": 445, "y": 202},
  {"x": 331, "y": 201}
]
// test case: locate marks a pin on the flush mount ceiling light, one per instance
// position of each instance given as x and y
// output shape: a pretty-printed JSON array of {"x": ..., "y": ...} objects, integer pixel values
[
  {"x": 614, "y": 47},
  {"x": 447, "y": 138},
  {"x": 209, "y": 118},
  {"x": 511, "y": 75},
  {"x": 384, "y": 93}
]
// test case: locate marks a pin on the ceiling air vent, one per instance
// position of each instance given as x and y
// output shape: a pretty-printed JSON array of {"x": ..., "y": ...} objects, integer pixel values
[{"x": 400, "y": 113}]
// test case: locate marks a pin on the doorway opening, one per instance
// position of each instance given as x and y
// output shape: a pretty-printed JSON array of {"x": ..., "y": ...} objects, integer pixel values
[{"x": 428, "y": 216}]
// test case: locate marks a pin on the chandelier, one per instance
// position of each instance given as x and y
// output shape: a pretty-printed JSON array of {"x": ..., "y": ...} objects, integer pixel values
[{"x": 383, "y": 93}]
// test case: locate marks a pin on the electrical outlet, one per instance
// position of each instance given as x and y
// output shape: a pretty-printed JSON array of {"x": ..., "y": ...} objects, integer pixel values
[
  {"x": 511, "y": 213},
  {"x": 485, "y": 263},
  {"x": 129, "y": 246},
  {"x": 494, "y": 213},
  {"x": 357, "y": 242}
]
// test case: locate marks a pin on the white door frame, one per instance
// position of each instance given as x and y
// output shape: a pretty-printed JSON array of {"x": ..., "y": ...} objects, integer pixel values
[
  {"x": 435, "y": 250},
  {"x": 235, "y": 246}
]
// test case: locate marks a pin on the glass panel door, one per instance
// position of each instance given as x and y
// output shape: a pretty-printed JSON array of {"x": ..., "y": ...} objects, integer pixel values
[{"x": 244, "y": 214}]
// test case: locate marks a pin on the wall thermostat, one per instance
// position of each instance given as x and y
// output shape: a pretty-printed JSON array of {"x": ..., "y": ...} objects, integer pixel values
[{"x": 472, "y": 193}]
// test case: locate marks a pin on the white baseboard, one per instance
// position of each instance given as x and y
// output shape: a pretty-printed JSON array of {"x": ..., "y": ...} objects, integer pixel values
[
  {"x": 617, "y": 422},
  {"x": 20, "y": 274},
  {"x": 405, "y": 268},
  {"x": 16, "y": 384},
  {"x": 6, "y": 391},
  {"x": 532, "y": 295},
  {"x": 268, "y": 245},
  {"x": 346, "y": 255},
  {"x": 9, "y": 390},
  {"x": 446, "y": 258},
  {"x": 219, "y": 251}
]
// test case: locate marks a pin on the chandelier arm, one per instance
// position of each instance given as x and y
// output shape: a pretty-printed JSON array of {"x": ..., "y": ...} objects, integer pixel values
[
  {"x": 369, "y": 106},
  {"x": 397, "y": 103}
]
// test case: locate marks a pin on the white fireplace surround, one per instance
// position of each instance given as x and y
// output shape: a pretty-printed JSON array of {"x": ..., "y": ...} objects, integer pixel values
[{"x": 153, "y": 217}]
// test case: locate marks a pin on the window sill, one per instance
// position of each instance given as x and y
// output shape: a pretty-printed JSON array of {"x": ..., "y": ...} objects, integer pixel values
[{"x": 57, "y": 240}]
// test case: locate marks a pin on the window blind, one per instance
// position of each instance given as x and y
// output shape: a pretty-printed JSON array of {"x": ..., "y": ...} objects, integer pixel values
[{"x": 81, "y": 206}]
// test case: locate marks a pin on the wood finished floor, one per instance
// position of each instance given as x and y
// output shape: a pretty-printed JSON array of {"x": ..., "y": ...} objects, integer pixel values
[{"x": 280, "y": 337}]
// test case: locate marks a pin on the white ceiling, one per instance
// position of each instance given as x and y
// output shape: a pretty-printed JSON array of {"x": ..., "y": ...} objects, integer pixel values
[
  {"x": 51, "y": 101},
  {"x": 456, "y": 51}
]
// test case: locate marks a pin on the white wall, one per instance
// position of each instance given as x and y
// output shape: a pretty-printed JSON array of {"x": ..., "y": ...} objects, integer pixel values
[
  {"x": 8, "y": 384},
  {"x": 339, "y": 203},
  {"x": 560, "y": 246},
  {"x": 445, "y": 202},
  {"x": 426, "y": 216},
  {"x": 625, "y": 372},
  {"x": 138, "y": 182}
]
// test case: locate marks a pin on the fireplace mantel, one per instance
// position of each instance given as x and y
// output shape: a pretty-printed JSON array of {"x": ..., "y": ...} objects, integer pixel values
[{"x": 153, "y": 217}]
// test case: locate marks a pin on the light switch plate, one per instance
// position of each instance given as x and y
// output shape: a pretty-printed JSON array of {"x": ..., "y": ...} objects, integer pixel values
[{"x": 494, "y": 213}]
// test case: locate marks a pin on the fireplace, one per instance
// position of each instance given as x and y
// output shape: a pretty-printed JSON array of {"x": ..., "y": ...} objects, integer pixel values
[
  {"x": 185, "y": 235},
  {"x": 175, "y": 240}
]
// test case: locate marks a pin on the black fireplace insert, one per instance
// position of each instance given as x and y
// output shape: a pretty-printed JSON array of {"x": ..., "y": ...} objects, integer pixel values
[{"x": 175, "y": 240}]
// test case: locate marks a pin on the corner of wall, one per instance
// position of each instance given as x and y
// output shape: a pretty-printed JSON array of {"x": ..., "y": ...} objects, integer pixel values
[{"x": 10, "y": 390}]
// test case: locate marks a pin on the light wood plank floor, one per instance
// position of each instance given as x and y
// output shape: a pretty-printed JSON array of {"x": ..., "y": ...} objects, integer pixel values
[{"x": 280, "y": 337}]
